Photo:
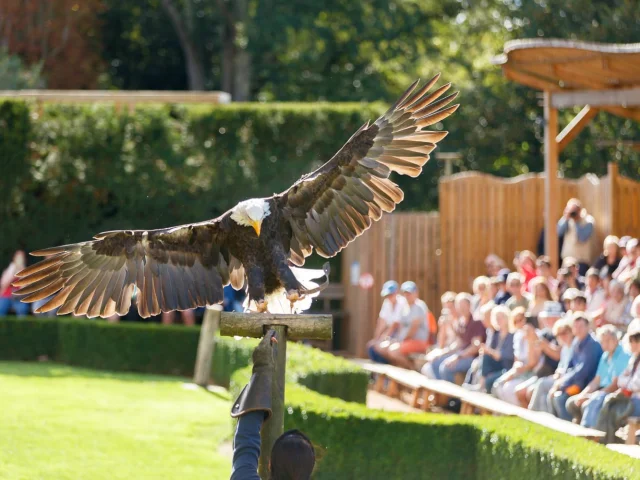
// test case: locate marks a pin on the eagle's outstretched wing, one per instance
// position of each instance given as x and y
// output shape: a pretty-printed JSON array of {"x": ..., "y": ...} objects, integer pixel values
[
  {"x": 172, "y": 269},
  {"x": 330, "y": 207}
]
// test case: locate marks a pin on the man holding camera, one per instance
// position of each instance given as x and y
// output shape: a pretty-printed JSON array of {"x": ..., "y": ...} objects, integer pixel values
[{"x": 576, "y": 228}]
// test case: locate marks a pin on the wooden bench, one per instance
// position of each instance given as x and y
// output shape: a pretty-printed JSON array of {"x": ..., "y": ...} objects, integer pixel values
[
  {"x": 423, "y": 391},
  {"x": 426, "y": 393},
  {"x": 633, "y": 424},
  {"x": 485, "y": 404},
  {"x": 630, "y": 450}
]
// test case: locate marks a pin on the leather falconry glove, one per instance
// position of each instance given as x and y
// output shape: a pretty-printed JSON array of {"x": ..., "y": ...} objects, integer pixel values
[{"x": 256, "y": 395}]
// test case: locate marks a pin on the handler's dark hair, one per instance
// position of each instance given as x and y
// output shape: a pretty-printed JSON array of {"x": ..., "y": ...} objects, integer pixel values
[{"x": 292, "y": 457}]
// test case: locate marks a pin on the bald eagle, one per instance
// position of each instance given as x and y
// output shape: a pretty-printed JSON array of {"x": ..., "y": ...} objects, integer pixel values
[{"x": 258, "y": 242}]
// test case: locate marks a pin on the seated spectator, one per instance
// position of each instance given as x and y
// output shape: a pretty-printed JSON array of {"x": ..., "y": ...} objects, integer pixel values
[
  {"x": 575, "y": 278},
  {"x": 535, "y": 393},
  {"x": 628, "y": 389},
  {"x": 493, "y": 263},
  {"x": 593, "y": 291},
  {"x": 526, "y": 265},
  {"x": 610, "y": 255},
  {"x": 459, "y": 356},
  {"x": 472, "y": 379},
  {"x": 627, "y": 265},
  {"x": 500, "y": 282},
  {"x": 543, "y": 270},
  {"x": 550, "y": 350},
  {"x": 413, "y": 336},
  {"x": 515, "y": 287},
  {"x": 481, "y": 293},
  {"x": 633, "y": 289},
  {"x": 579, "y": 303},
  {"x": 526, "y": 357},
  {"x": 576, "y": 229},
  {"x": 188, "y": 317},
  {"x": 540, "y": 294},
  {"x": 7, "y": 300},
  {"x": 388, "y": 324},
  {"x": 616, "y": 309},
  {"x": 446, "y": 324},
  {"x": 586, "y": 353},
  {"x": 496, "y": 353},
  {"x": 585, "y": 406},
  {"x": 568, "y": 297}
]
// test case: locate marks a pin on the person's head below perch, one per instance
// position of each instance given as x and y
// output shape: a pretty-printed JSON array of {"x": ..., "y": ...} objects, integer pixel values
[{"x": 293, "y": 456}]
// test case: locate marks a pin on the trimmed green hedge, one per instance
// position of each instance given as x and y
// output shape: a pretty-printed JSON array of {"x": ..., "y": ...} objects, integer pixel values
[
  {"x": 355, "y": 442},
  {"x": 153, "y": 348}
]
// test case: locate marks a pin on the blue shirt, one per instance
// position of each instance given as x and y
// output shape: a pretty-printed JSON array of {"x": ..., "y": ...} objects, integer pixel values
[
  {"x": 583, "y": 364},
  {"x": 611, "y": 366},
  {"x": 246, "y": 447}
]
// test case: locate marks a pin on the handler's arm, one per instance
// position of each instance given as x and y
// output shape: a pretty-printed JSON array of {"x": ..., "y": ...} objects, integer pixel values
[
  {"x": 246, "y": 447},
  {"x": 251, "y": 408}
]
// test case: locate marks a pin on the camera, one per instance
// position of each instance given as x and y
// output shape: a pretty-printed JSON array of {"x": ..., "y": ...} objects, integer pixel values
[{"x": 574, "y": 214}]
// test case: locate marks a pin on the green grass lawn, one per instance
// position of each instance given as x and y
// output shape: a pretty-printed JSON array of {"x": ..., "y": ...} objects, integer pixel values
[{"x": 59, "y": 422}]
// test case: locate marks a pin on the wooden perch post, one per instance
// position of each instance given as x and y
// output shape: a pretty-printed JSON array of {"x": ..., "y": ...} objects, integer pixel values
[
  {"x": 287, "y": 327},
  {"x": 206, "y": 344}
]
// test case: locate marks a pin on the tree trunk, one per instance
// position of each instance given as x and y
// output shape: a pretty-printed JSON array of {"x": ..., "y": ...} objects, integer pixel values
[
  {"x": 228, "y": 52},
  {"x": 242, "y": 59},
  {"x": 195, "y": 66}
]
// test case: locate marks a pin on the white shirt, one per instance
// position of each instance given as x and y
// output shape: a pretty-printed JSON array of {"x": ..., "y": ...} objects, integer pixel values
[
  {"x": 393, "y": 313},
  {"x": 595, "y": 300}
]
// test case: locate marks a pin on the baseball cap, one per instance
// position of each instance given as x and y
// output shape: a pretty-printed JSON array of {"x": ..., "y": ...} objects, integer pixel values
[
  {"x": 389, "y": 287},
  {"x": 570, "y": 294},
  {"x": 409, "y": 287}
]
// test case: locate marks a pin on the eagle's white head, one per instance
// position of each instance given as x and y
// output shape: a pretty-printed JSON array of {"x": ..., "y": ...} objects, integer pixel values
[{"x": 251, "y": 213}]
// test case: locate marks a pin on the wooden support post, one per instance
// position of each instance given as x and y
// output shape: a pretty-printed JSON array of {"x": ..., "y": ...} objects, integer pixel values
[
  {"x": 206, "y": 344},
  {"x": 551, "y": 198},
  {"x": 612, "y": 207},
  {"x": 287, "y": 327},
  {"x": 274, "y": 427}
]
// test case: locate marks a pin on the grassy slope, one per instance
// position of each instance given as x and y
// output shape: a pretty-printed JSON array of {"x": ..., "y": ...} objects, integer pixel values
[{"x": 70, "y": 423}]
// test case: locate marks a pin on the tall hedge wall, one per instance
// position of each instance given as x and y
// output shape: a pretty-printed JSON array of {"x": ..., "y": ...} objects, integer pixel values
[{"x": 78, "y": 170}]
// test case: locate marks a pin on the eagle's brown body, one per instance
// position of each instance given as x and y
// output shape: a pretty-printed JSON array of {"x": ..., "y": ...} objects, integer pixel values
[{"x": 185, "y": 267}]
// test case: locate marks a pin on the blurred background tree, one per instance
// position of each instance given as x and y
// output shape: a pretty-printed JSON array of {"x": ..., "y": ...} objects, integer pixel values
[{"x": 337, "y": 50}]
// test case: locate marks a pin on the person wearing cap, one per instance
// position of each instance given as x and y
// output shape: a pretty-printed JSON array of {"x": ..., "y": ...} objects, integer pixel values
[
  {"x": 586, "y": 353},
  {"x": 547, "y": 342},
  {"x": 413, "y": 336},
  {"x": 628, "y": 264},
  {"x": 515, "y": 288},
  {"x": 576, "y": 229},
  {"x": 500, "y": 281},
  {"x": 585, "y": 406},
  {"x": 568, "y": 297},
  {"x": 610, "y": 256},
  {"x": 388, "y": 319},
  {"x": 593, "y": 291}
]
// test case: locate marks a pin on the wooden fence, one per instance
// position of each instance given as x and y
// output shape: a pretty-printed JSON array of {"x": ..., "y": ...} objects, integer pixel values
[
  {"x": 479, "y": 214},
  {"x": 401, "y": 246}
]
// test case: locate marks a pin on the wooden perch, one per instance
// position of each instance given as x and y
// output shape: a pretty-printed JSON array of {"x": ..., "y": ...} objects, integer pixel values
[{"x": 299, "y": 327}]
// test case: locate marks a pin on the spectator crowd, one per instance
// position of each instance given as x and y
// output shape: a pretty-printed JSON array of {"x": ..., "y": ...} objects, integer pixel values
[{"x": 568, "y": 344}]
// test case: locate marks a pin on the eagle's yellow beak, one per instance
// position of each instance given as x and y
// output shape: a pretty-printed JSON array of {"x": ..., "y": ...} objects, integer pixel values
[{"x": 256, "y": 226}]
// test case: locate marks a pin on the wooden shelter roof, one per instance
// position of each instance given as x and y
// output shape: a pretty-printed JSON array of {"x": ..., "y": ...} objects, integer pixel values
[{"x": 556, "y": 65}]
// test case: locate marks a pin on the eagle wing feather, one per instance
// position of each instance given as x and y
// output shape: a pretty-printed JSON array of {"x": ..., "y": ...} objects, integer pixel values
[
  {"x": 328, "y": 208},
  {"x": 172, "y": 269}
]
